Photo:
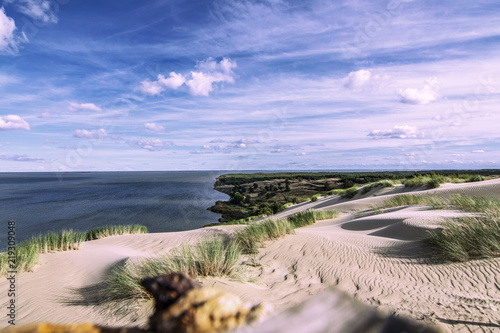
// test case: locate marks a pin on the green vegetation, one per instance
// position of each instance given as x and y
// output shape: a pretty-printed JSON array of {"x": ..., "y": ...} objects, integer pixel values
[
  {"x": 350, "y": 193},
  {"x": 115, "y": 230},
  {"x": 214, "y": 257},
  {"x": 462, "y": 238},
  {"x": 211, "y": 257},
  {"x": 412, "y": 199},
  {"x": 252, "y": 237},
  {"x": 27, "y": 252},
  {"x": 475, "y": 204},
  {"x": 268, "y": 193},
  {"x": 431, "y": 181},
  {"x": 467, "y": 238},
  {"x": 476, "y": 178}
]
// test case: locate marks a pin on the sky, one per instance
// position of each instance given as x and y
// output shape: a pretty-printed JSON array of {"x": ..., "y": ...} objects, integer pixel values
[{"x": 249, "y": 85}]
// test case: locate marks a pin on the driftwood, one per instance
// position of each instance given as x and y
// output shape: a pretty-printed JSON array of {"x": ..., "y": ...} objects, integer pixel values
[{"x": 333, "y": 311}]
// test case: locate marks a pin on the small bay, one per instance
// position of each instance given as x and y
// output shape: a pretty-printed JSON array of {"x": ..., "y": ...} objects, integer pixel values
[{"x": 162, "y": 201}]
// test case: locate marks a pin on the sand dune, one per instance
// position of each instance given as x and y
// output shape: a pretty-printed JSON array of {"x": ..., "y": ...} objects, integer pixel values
[{"x": 374, "y": 258}]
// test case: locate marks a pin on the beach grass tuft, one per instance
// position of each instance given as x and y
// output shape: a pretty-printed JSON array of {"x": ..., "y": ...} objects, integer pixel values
[
  {"x": 211, "y": 257},
  {"x": 115, "y": 230},
  {"x": 466, "y": 238},
  {"x": 251, "y": 238},
  {"x": 474, "y": 203},
  {"x": 412, "y": 199},
  {"x": 463, "y": 238},
  {"x": 27, "y": 252}
]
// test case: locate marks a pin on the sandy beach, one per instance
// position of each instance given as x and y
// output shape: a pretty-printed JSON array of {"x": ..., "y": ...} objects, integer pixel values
[{"x": 374, "y": 258}]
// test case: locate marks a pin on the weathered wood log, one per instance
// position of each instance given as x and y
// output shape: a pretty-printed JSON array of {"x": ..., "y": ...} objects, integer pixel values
[{"x": 333, "y": 311}]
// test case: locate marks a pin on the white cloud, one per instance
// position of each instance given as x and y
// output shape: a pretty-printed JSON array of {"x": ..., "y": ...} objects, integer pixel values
[
  {"x": 154, "y": 128},
  {"x": 151, "y": 87},
  {"x": 12, "y": 122},
  {"x": 93, "y": 134},
  {"x": 201, "y": 83},
  {"x": 358, "y": 80},
  {"x": 20, "y": 158},
  {"x": 174, "y": 81},
  {"x": 478, "y": 151},
  {"x": 397, "y": 132},
  {"x": 150, "y": 144},
  {"x": 6, "y": 79},
  {"x": 7, "y": 27},
  {"x": 39, "y": 10},
  {"x": 84, "y": 107},
  {"x": 420, "y": 96}
]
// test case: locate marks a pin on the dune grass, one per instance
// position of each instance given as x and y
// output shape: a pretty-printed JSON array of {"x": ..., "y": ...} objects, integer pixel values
[
  {"x": 28, "y": 251},
  {"x": 430, "y": 181},
  {"x": 211, "y": 257},
  {"x": 115, "y": 230},
  {"x": 315, "y": 197},
  {"x": 412, "y": 199},
  {"x": 475, "y": 204},
  {"x": 252, "y": 237},
  {"x": 467, "y": 238},
  {"x": 463, "y": 238}
]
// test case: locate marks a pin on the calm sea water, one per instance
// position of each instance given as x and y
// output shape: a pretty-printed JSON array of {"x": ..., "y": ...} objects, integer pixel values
[{"x": 162, "y": 201}]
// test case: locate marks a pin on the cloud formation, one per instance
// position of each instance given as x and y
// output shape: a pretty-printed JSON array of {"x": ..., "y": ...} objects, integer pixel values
[
  {"x": 154, "y": 128},
  {"x": 420, "y": 96},
  {"x": 174, "y": 81},
  {"x": 7, "y": 27},
  {"x": 397, "y": 132},
  {"x": 150, "y": 144},
  {"x": 20, "y": 158},
  {"x": 199, "y": 83},
  {"x": 13, "y": 122},
  {"x": 358, "y": 80},
  {"x": 39, "y": 10},
  {"x": 92, "y": 134},
  {"x": 211, "y": 72},
  {"x": 84, "y": 107}
]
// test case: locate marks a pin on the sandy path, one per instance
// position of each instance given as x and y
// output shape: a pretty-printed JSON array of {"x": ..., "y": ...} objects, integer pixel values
[{"x": 373, "y": 258}]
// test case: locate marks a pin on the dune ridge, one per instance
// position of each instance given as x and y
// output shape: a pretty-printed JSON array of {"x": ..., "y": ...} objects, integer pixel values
[{"x": 373, "y": 258}]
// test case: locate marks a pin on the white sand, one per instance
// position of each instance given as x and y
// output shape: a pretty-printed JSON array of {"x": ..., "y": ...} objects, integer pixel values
[{"x": 374, "y": 258}]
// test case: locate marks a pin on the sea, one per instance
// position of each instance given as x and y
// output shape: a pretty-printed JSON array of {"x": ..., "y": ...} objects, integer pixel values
[{"x": 162, "y": 201}]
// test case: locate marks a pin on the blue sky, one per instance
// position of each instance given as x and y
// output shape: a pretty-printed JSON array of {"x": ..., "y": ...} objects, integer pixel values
[{"x": 245, "y": 85}]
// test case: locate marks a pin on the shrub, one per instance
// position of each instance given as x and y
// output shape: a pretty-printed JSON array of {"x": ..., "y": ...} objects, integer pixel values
[
  {"x": 385, "y": 183},
  {"x": 475, "y": 178},
  {"x": 366, "y": 189},
  {"x": 433, "y": 183},
  {"x": 350, "y": 193}
]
